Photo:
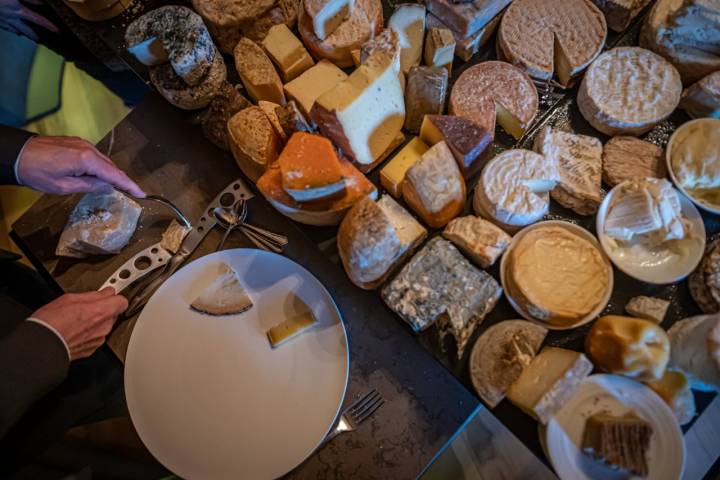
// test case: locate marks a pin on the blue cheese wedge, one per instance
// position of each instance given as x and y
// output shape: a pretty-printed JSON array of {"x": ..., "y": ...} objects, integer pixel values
[
  {"x": 224, "y": 296},
  {"x": 290, "y": 328},
  {"x": 440, "y": 286}
]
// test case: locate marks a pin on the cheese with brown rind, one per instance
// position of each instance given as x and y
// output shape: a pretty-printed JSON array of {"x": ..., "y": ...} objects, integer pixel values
[
  {"x": 408, "y": 20},
  {"x": 629, "y": 158},
  {"x": 466, "y": 47},
  {"x": 648, "y": 308},
  {"x": 478, "y": 239},
  {"x": 468, "y": 141},
  {"x": 466, "y": 18},
  {"x": 439, "y": 48},
  {"x": 257, "y": 72},
  {"x": 424, "y": 94},
  {"x": 315, "y": 81},
  {"x": 392, "y": 174},
  {"x": 702, "y": 99},
  {"x": 231, "y": 12},
  {"x": 310, "y": 168},
  {"x": 253, "y": 141},
  {"x": 269, "y": 109},
  {"x": 619, "y": 13}
]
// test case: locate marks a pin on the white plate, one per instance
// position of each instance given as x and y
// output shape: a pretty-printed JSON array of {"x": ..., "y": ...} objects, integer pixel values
[
  {"x": 616, "y": 395},
  {"x": 663, "y": 265},
  {"x": 576, "y": 230},
  {"x": 208, "y": 395}
]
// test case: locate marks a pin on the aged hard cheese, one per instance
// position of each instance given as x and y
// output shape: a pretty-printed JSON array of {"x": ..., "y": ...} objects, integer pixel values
[
  {"x": 392, "y": 174},
  {"x": 468, "y": 141},
  {"x": 310, "y": 168},
  {"x": 257, "y": 72},
  {"x": 702, "y": 99},
  {"x": 439, "y": 48},
  {"x": 439, "y": 285},
  {"x": 628, "y": 90},
  {"x": 224, "y": 296},
  {"x": 495, "y": 89},
  {"x": 629, "y": 158},
  {"x": 501, "y": 354},
  {"x": 548, "y": 382},
  {"x": 408, "y": 21},
  {"x": 306, "y": 88},
  {"x": 253, "y": 141},
  {"x": 434, "y": 187},
  {"x": 327, "y": 15},
  {"x": 363, "y": 114},
  {"x": 466, "y": 47},
  {"x": 649, "y": 308},
  {"x": 290, "y": 328},
  {"x": 374, "y": 237},
  {"x": 466, "y": 18},
  {"x": 579, "y": 162},
  {"x": 424, "y": 94},
  {"x": 479, "y": 239},
  {"x": 287, "y": 52},
  {"x": 619, "y": 13}
]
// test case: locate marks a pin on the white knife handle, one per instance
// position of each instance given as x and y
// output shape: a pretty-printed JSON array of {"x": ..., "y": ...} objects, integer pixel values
[{"x": 142, "y": 263}]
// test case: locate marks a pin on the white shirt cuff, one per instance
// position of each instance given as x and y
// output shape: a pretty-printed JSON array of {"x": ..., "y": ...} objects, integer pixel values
[
  {"x": 17, "y": 161},
  {"x": 52, "y": 329}
]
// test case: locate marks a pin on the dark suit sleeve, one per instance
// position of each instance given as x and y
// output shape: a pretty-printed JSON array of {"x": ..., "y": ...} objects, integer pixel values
[
  {"x": 12, "y": 141},
  {"x": 33, "y": 360}
]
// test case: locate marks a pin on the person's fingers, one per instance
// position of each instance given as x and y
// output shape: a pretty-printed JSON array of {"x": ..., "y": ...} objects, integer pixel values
[
  {"x": 92, "y": 296},
  {"x": 23, "y": 29},
  {"x": 113, "y": 306},
  {"x": 37, "y": 19},
  {"x": 108, "y": 172},
  {"x": 85, "y": 184}
]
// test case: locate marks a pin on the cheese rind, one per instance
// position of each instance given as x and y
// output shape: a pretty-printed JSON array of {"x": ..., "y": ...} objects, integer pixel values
[
  {"x": 468, "y": 142},
  {"x": 408, "y": 21},
  {"x": 424, "y": 94},
  {"x": 257, "y": 72},
  {"x": 548, "y": 382},
  {"x": 648, "y": 308},
  {"x": 479, "y": 239},
  {"x": 287, "y": 52},
  {"x": 189, "y": 97},
  {"x": 439, "y": 48},
  {"x": 694, "y": 350},
  {"x": 315, "y": 81},
  {"x": 253, "y": 141},
  {"x": 291, "y": 119},
  {"x": 466, "y": 18},
  {"x": 226, "y": 103},
  {"x": 392, "y": 174},
  {"x": 327, "y": 15},
  {"x": 466, "y": 47}
]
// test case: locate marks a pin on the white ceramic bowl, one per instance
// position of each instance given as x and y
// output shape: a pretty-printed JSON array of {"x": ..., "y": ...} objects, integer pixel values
[
  {"x": 668, "y": 160},
  {"x": 661, "y": 267},
  {"x": 576, "y": 230}
]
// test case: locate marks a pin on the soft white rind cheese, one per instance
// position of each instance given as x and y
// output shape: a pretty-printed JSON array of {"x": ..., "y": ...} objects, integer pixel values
[{"x": 695, "y": 159}]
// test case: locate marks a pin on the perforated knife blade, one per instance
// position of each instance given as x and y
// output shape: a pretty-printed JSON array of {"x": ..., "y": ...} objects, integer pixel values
[{"x": 229, "y": 196}]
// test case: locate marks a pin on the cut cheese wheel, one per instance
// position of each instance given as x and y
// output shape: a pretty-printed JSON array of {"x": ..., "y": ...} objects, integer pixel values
[
  {"x": 189, "y": 97},
  {"x": 468, "y": 141},
  {"x": 493, "y": 90},
  {"x": 310, "y": 168},
  {"x": 365, "y": 22},
  {"x": 552, "y": 36},
  {"x": 224, "y": 296},
  {"x": 629, "y": 90},
  {"x": 226, "y": 13}
]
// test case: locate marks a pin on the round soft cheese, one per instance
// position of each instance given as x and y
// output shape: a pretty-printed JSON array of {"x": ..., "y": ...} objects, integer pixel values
[
  {"x": 629, "y": 90},
  {"x": 695, "y": 159}
]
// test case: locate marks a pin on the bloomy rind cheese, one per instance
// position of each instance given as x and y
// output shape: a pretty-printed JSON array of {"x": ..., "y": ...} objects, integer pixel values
[
  {"x": 257, "y": 72},
  {"x": 702, "y": 99}
]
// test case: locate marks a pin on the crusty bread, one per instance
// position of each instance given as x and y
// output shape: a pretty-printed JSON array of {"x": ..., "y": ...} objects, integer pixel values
[
  {"x": 253, "y": 141},
  {"x": 226, "y": 103},
  {"x": 257, "y": 72},
  {"x": 185, "y": 96}
]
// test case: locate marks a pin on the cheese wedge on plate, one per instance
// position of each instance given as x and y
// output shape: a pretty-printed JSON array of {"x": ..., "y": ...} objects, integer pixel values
[
  {"x": 288, "y": 329},
  {"x": 408, "y": 21},
  {"x": 224, "y": 296}
]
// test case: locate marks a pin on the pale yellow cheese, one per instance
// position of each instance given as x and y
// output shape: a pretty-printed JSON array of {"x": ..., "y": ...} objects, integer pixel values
[
  {"x": 287, "y": 52},
  {"x": 315, "y": 81},
  {"x": 290, "y": 328},
  {"x": 393, "y": 174}
]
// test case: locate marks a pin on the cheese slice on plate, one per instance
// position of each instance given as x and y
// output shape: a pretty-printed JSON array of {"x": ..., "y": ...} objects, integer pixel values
[
  {"x": 491, "y": 90},
  {"x": 628, "y": 90},
  {"x": 408, "y": 21},
  {"x": 579, "y": 162},
  {"x": 224, "y": 296},
  {"x": 288, "y": 329},
  {"x": 552, "y": 36}
]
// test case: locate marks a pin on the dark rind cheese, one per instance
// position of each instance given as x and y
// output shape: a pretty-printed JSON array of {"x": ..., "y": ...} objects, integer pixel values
[
  {"x": 468, "y": 141},
  {"x": 226, "y": 103},
  {"x": 424, "y": 94}
]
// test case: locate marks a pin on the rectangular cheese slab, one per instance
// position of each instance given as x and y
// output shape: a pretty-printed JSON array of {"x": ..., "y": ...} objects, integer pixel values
[
  {"x": 393, "y": 173},
  {"x": 290, "y": 328}
]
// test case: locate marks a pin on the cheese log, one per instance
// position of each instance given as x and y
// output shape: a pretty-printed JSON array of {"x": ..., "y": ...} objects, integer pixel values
[
  {"x": 702, "y": 99},
  {"x": 172, "y": 34},
  {"x": 548, "y": 382},
  {"x": 363, "y": 114},
  {"x": 231, "y": 12},
  {"x": 439, "y": 48},
  {"x": 619, "y": 13},
  {"x": 327, "y": 15},
  {"x": 100, "y": 224},
  {"x": 257, "y": 72},
  {"x": 466, "y": 47},
  {"x": 408, "y": 21},
  {"x": 365, "y": 22},
  {"x": 321, "y": 213},
  {"x": 253, "y": 141},
  {"x": 306, "y": 88},
  {"x": 438, "y": 285},
  {"x": 310, "y": 168},
  {"x": 227, "y": 102},
  {"x": 674, "y": 389},
  {"x": 501, "y": 354},
  {"x": 648, "y": 308},
  {"x": 287, "y": 52},
  {"x": 694, "y": 350},
  {"x": 481, "y": 241},
  {"x": 466, "y": 18},
  {"x": 185, "y": 96},
  {"x": 434, "y": 187},
  {"x": 374, "y": 237},
  {"x": 291, "y": 119},
  {"x": 392, "y": 174},
  {"x": 468, "y": 142},
  {"x": 628, "y": 90},
  {"x": 424, "y": 94},
  {"x": 629, "y": 158}
]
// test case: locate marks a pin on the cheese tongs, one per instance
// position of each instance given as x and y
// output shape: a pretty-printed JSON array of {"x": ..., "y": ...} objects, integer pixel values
[{"x": 163, "y": 201}]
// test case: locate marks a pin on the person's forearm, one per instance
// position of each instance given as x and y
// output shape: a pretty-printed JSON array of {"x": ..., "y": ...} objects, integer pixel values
[
  {"x": 33, "y": 360},
  {"x": 12, "y": 141}
]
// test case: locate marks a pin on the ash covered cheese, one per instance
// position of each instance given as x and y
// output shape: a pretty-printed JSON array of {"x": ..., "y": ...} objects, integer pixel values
[{"x": 439, "y": 284}]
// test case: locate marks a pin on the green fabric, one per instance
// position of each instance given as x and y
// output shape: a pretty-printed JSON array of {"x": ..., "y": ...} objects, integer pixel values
[{"x": 44, "y": 84}]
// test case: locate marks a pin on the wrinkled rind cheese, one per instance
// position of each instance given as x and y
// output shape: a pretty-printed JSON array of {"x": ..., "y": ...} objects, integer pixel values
[
  {"x": 628, "y": 346},
  {"x": 424, "y": 95},
  {"x": 629, "y": 158},
  {"x": 479, "y": 239}
]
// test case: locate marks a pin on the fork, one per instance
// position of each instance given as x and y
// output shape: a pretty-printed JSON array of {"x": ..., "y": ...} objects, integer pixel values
[{"x": 356, "y": 413}]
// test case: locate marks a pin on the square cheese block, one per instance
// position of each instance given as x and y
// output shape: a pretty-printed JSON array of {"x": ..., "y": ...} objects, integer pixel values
[
  {"x": 549, "y": 381},
  {"x": 291, "y": 119},
  {"x": 363, "y": 114},
  {"x": 310, "y": 168},
  {"x": 648, "y": 308},
  {"x": 287, "y": 52},
  {"x": 327, "y": 15},
  {"x": 479, "y": 239},
  {"x": 439, "y": 285},
  {"x": 466, "y": 19},
  {"x": 257, "y": 72},
  {"x": 434, "y": 187},
  {"x": 253, "y": 141},
  {"x": 290, "y": 328},
  {"x": 424, "y": 94},
  {"x": 469, "y": 142},
  {"x": 408, "y": 21},
  {"x": 315, "y": 81},
  {"x": 393, "y": 173},
  {"x": 440, "y": 48}
]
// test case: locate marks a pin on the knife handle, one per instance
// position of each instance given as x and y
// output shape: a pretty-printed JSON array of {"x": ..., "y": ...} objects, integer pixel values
[{"x": 142, "y": 263}]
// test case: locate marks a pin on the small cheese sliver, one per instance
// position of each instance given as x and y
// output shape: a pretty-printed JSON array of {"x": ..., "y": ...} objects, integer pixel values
[
  {"x": 224, "y": 296},
  {"x": 290, "y": 328}
]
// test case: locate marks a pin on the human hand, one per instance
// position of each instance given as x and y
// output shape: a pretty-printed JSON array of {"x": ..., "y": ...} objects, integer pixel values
[
  {"x": 64, "y": 165},
  {"x": 16, "y": 17},
  {"x": 83, "y": 319}
]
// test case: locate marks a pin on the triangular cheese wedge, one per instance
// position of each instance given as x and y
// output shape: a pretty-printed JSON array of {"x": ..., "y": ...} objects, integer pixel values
[{"x": 224, "y": 296}]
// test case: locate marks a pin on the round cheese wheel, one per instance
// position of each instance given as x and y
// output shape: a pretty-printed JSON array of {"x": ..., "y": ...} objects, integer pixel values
[
  {"x": 229, "y": 13},
  {"x": 185, "y": 96}
]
